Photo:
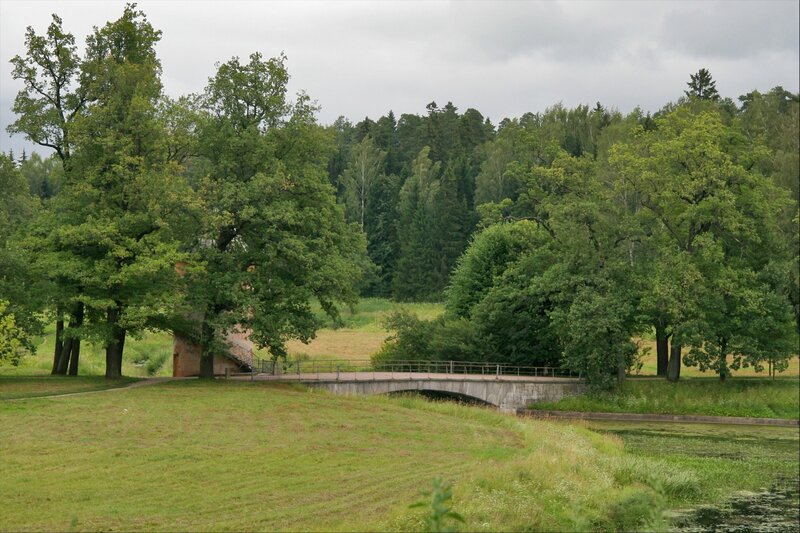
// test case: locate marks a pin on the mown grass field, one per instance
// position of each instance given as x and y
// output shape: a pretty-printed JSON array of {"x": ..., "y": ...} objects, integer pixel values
[
  {"x": 749, "y": 397},
  {"x": 197, "y": 455}
]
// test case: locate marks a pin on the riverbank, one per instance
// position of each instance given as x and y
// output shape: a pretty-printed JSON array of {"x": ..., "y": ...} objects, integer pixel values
[
  {"x": 646, "y": 417},
  {"x": 737, "y": 397},
  {"x": 721, "y": 468}
]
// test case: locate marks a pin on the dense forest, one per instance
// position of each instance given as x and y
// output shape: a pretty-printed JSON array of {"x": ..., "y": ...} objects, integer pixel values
[{"x": 554, "y": 238}]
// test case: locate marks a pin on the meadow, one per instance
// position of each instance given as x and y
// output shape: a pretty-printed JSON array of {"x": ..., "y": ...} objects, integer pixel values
[{"x": 194, "y": 455}]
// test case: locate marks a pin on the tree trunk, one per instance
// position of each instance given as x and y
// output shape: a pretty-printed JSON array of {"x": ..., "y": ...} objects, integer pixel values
[
  {"x": 207, "y": 356},
  {"x": 662, "y": 349},
  {"x": 59, "y": 343},
  {"x": 674, "y": 366},
  {"x": 116, "y": 347},
  {"x": 722, "y": 367},
  {"x": 75, "y": 351},
  {"x": 63, "y": 357}
]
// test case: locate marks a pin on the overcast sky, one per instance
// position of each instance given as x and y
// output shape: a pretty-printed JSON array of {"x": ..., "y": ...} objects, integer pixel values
[{"x": 362, "y": 59}]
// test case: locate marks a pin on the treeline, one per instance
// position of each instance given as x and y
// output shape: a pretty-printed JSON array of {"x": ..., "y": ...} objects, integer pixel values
[
  {"x": 597, "y": 227},
  {"x": 553, "y": 238},
  {"x": 419, "y": 186}
]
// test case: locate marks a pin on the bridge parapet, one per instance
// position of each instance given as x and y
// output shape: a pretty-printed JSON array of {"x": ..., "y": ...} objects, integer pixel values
[{"x": 506, "y": 394}]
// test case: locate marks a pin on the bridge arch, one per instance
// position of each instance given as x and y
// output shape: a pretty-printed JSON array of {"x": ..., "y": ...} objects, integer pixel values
[
  {"x": 507, "y": 395},
  {"x": 444, "y": 395}
]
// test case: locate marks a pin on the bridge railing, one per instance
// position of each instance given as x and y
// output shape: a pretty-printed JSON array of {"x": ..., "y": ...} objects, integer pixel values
[{"x": 319, "y": 367}]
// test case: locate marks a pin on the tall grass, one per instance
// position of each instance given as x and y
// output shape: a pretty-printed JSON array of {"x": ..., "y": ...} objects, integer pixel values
[{"x": 748, "y": 397}]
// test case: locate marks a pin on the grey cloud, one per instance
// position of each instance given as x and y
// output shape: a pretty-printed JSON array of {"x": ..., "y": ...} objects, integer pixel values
[
  {"x": 502, "y": 58},
  {"x": 733, "y": 29}
]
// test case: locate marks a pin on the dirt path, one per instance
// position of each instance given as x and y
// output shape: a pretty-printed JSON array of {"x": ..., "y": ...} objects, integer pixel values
[{"x": 141, "y": 383}]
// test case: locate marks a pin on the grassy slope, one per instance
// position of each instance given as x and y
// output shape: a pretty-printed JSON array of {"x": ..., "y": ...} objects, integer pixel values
[
  {"x": 707, "y": 396},
  {"x": 250, "y": 456}
]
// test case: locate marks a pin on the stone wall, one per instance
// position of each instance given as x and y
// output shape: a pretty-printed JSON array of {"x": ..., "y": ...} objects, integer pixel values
[
  {"x": 508, "y": 396},
  {"x": 186, "y": 358}
]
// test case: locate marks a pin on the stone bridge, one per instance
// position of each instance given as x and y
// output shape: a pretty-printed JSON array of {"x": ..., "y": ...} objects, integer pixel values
[{"x": 508, "y": 393}]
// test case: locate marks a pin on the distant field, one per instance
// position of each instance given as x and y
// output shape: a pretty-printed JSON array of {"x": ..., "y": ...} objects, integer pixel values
[
  {"x": 649, "y": 366},
  {"x": 361, "y": 331},
  {"x": 222, "y": 455}
]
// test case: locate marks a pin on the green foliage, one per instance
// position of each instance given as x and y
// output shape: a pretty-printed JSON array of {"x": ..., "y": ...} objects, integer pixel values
[
  {"x": 440, "y": 515},
  {"x": 273, "y": 240},
  {"x": 19, "y": 287},
  {"x": 44, "y": 176},
  {"x": 417, "y": 274},
  {"x": 634, "y": 508},
  {"x": 699, "y": 199},
  {"x": 489, "y": 255},
  {"x": 14, "y": 341},
  {"x": 441, "y": 339},
  {"x": 359, "y": 177}
]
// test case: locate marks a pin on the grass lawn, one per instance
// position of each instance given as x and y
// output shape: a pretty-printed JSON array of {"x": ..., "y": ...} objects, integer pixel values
[
  {"x": 751, "y": 397},
  {"x": 19, "y": 386},
  {"x": 252, "y": 456}
]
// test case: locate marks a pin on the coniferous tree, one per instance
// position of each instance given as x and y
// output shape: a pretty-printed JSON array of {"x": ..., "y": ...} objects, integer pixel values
[
  {"x": 702, "y": 86},
  {"x": 416, "y": 276}
]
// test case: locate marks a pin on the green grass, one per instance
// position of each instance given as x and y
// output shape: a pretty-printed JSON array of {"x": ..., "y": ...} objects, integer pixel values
[
  {"x": 19, "y": 386},
  {"x": 748, "y": 397},
  {"x": 253, "y": 456}
]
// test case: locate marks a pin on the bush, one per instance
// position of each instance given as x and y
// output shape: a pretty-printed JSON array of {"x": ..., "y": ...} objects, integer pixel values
[
  {"x": 441, "y": 339},
  {"x": 14, "y": 341}
]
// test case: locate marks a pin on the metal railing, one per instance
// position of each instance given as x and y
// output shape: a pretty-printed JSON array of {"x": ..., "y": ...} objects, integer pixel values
[{"x": 326, "y": 368}]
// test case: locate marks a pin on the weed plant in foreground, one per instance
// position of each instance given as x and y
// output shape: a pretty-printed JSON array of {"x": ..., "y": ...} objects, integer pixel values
[{"x": 255, "y": 456}]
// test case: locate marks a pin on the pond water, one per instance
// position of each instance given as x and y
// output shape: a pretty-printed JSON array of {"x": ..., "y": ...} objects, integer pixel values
[
  {"x": 776, "y": 509},
  {"x": 765, "y": 460}
]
